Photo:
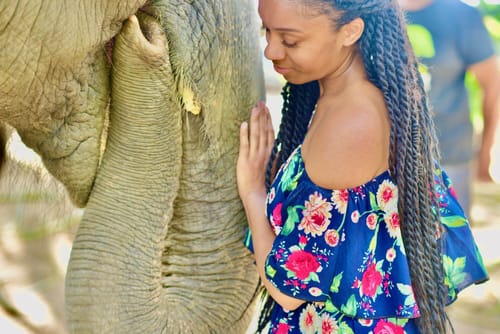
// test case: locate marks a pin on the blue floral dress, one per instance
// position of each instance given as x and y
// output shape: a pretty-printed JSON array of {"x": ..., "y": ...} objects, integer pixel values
[{"x": 342, "y": 252}]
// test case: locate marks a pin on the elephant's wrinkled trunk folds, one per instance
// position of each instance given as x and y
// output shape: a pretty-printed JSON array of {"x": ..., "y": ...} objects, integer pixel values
[{"x": 137, "y": 177}]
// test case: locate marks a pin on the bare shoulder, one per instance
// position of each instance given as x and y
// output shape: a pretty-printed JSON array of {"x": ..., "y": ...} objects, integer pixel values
[{"x": 349, "y": 144}]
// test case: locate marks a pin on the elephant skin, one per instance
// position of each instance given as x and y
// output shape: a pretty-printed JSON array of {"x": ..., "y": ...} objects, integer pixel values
[{"x": 135, "y": 107}]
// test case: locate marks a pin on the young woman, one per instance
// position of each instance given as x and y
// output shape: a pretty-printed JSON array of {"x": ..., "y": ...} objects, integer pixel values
[{"x": 359, "y": 231}]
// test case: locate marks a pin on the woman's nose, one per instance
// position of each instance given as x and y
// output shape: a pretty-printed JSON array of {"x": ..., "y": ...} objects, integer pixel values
[{"x": 274, "y": 50}]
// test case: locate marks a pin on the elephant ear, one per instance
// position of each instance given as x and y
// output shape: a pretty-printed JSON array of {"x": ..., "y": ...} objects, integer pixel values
[{"x": 55, "y": 81}]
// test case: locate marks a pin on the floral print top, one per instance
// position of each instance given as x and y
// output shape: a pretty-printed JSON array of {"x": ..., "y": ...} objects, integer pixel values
[{"x": 342, "y": 252}]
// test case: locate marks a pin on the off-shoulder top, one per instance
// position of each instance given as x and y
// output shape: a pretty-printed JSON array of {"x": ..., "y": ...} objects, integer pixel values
[{"x": 342, "y": 252}]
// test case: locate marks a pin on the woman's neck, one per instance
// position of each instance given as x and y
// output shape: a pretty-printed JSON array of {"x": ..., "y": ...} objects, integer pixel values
[{"x": 352, "y": 70}]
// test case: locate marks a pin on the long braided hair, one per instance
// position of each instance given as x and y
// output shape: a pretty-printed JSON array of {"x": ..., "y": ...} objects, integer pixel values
[{"x": 391, "y": 66}]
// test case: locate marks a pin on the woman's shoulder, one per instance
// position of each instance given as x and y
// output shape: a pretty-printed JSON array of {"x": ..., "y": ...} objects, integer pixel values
[{"x": 348, "y": 144}]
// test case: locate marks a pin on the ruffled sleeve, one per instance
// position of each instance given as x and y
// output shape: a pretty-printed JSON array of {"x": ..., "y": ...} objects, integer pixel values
[
  {"x": 340, "y": 247},
  {"x": 463, "y": 264}
]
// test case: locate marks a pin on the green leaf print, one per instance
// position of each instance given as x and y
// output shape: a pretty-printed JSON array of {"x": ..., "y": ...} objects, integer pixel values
[
  {"x": 291, "y": 220},
  {"x": 454, "y": 270},
  {"x": 313, "y": 277},
  {"x": 373, "y": 201},
  {"x": 350, "y": 307},
  {"x": 398, "y": 321},
  {"x": 270, "y": 271},
  {"x": 329, "y": 307},
  {"x": 454, "y": 221},
  {"x": 344, "y": 328},
  {"x": 336, "y": 283},
  {"x": 406, "y": 290},
  {"x": 289, "y": 181}
]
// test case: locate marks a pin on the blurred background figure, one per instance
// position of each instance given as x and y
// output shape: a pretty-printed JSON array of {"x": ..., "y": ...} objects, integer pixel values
[{"x": 454, "y": 46}]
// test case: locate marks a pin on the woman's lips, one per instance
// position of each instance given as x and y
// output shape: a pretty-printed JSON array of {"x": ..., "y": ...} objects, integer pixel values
[{"x": 281, "y": 70}]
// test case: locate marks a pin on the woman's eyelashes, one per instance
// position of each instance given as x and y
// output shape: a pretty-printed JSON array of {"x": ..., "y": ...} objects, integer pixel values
[
  {"x": 287, "y": 44},
  {"x": 284, "y": 42}
]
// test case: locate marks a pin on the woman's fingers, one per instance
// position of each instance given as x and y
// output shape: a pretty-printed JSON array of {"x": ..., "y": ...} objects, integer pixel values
[
  {"x": 270, "y": 131},
  {"x": 263, "y": 125},
  {"x": 244, "y": 144},
  {"x": 257, "y": 136},
  {"x": 255, "y": 129}
]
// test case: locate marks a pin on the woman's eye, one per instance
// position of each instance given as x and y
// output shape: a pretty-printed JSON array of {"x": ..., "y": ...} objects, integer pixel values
[{"x": 288, "y": 45}]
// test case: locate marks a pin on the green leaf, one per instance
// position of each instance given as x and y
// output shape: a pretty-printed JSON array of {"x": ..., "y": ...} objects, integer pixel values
[
  {"x": 291, "y": 220},
  {"x": 378, "y": 266},
  {"x": 454, "y": 270},
  {"x": 405, "y": 289},
  {"x": 373, "y": 201},
  {"x": 373, "y": 244},
  {"x": 350, "y": 307},
  {"x": 454, "y": 221},
  {"x": 336, "y": 283},
  {"x": 459, "y": 263},
  {"x": 270, "y": 271},
  {"x": 344, "y": 328},
  {"x": 313, "y": 277},
  {"x": 329, "y": 307},
  {"x": 398, "y": 321}
]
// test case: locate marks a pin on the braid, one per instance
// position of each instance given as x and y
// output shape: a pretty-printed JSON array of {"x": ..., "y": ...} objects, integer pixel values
[
  {"x": 299, "y": 102},
  {"x": 413, "y": 154}
]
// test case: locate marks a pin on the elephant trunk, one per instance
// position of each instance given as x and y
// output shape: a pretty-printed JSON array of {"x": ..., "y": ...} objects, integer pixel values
[{"x": 114, "y": 275}]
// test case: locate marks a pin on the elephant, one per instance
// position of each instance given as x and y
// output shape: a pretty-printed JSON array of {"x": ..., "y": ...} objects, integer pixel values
[{"x": 135, "y": 106}]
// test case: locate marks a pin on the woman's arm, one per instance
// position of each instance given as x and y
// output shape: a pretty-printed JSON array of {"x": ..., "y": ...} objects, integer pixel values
[{"x": 256, "y": 144}]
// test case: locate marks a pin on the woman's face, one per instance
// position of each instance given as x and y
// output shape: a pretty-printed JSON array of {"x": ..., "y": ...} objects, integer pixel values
[{"x": 302, "y": 44}]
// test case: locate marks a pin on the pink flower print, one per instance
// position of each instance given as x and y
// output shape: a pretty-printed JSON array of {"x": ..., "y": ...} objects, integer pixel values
[
  {"x": 308, "y": 320},
  {"x": 386, "y": 327},
  {"x": 387, "y": 196},
  {"x": 328, "y": 324},
  {"x": 355, "y": 216},
  {"x": 365, "y": 322},
  {"x": 452, "y": 191},
  {"x": 302, "y": 240},
  {"x": 340, "y": 198},
  {"x": 371, "y": 221},
  {"x": 391, "y": 219},
  {"x": 371, "y": 281},
  {"x": 283, "y": 328},
  {"x": 316, "y": 215},
  {"x": 302, "y": 263},
  {"x": 332, "y": 238},
  {"x": 390, "y": 255},
  {"x": 276, "y": 216}
]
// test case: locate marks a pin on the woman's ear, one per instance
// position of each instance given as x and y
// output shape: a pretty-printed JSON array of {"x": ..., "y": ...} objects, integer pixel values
[{"x": 352, "y": 31}]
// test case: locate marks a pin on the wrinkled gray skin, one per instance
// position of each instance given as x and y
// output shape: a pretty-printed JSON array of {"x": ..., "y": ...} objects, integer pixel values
[{"x": 143, "y": 132}]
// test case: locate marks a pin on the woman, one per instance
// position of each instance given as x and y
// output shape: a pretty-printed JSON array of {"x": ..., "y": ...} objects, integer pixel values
[{"x": 338, "y": 246}]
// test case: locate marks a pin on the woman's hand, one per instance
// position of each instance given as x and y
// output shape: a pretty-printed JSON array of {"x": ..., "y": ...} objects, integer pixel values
[{"x": 256, "y": 145}]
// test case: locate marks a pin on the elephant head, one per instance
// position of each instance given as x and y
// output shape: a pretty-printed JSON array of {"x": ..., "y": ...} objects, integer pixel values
[{"x": 135, "y": 108}]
